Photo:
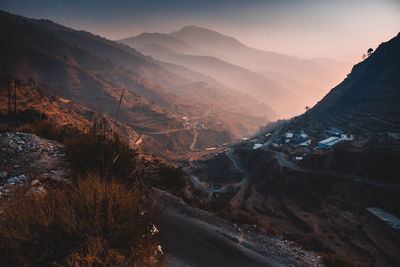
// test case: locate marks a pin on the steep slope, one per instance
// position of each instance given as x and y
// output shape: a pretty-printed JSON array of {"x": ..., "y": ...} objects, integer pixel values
[
  {"x": 165, "y": 40},
  {"x": 93, "y": 71},
  {"x": 233, "y": 51},
  {"x": 233, "y": 76},
  {"x": 148, "y": 69},
  {"x": 236, "y": 101},
  {"x": 35, "y": 99},
  {"x": 238, "y": 78},
  {"x": 77, "y": 75},
  {"x": 369, "y": 97}
]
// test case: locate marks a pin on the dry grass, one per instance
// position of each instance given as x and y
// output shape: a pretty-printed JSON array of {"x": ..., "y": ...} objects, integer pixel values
[
  {"x": 89, "y": 223},
  {"x": 104, "y": 217}
]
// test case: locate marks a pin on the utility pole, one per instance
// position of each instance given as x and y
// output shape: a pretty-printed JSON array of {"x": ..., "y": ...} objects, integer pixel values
[
  {"x": 15, "y": 99},
  {"x": 9, "y": 97}
]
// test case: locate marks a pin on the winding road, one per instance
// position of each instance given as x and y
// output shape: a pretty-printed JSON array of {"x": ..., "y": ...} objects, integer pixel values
[
  {"x": 238, "y": 166},
  {"x": 223, "y": 189},
  {"x": 191, "y": 242},
  {"x": 168, "y": 131},
  {"x": 194, "y": 139},
  {"x": 199, "y": 185},
  {"x": 291, "y": 165}
]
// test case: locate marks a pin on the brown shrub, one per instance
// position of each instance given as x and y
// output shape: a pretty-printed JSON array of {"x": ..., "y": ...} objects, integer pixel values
[
  {"x": 106, "y": 154},
  {"x": 43, "y": 128},
  {"x": 90, "y": 222}
]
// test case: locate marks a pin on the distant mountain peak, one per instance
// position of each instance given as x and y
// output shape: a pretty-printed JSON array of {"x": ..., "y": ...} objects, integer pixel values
[{"x": 201, "y": 30}]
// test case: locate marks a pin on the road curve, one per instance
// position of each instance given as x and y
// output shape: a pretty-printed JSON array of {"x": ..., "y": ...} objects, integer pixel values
[
  {"x": 168, "y": 131},
  {"x": 191, "y": 242},
  {"x": 239, "y": 167},
  {"x": 194, "y": 139},
  {"x": 356, "y": 178},
  {"x": 199, "y": 185}
]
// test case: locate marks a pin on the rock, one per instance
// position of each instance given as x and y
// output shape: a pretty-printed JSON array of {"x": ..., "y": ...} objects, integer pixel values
[{"x": 3, "y": 174}]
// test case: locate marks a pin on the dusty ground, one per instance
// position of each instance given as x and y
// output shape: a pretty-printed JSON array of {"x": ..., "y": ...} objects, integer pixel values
[
  {"x": 26, "y": 158},
  {"x": 191, "y": 237},
  {"x": 322, "y": 213},
  {"x": 197, "y": 238}
]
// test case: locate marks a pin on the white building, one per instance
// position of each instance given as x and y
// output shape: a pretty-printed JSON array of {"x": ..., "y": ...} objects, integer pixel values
[
  {"x": 257, "y": 146},
  {"x": 306, "y": 143},
  {"x": 329, "y": 142},
  {"x": 347, "y": 137},
  {"x": 288, "y": 135}
]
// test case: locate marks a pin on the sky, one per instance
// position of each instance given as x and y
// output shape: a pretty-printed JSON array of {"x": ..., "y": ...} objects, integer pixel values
[{"x": 338, "y": 29}]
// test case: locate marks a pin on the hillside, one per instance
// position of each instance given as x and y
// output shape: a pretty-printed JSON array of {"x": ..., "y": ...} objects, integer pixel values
[
  {"x": 167, "y": 41},
  {"x": 368, "y": 99},
  {"x": 322, "y": 197},
  {"x": 233, "y": 51},
  {"x": 235, "y": 77},
  {"x": 93, "y": 71},
  {"x": 145, "y": 66},
  {"x": 286, "y": 83}
]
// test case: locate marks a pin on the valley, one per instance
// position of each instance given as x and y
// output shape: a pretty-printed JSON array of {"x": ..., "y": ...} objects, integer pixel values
[{"x": 186, "y": 146}]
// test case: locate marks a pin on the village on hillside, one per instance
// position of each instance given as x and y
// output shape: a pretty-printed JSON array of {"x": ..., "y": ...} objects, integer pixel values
[{"x": 298, "y": 144}]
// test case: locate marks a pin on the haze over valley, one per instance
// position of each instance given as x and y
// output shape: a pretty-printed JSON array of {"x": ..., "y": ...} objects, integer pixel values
[{"x": 199, "y": 133}]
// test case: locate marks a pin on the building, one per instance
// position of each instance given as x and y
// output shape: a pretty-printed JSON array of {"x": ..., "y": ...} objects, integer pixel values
[
  {"x": 347, "y": 137},
  {"x": 288, "y": 135},
  {"x": 306, "y": 143},
  {"x": 303, "y": 134},
  {"x": 329, "y": 142},
  {"x": 335, "y": 131},
  {"x": 257, "y": 146}
]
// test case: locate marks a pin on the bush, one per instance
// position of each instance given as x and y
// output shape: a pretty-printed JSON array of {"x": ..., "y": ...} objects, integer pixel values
[
  {"x": 105, "y": 154},
  {"x": 44, "y": 129},
  {"x": 90, "y": 222}
]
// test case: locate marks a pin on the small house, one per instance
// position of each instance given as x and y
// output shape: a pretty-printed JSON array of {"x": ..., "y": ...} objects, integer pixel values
[
  {"x": 288, "y": 135},
  {"x": 257, "y": 146},
  {"x": 306, "y": 143},
  {"x": 329, "y": 142},
  {"x": 335, "y": 131}
]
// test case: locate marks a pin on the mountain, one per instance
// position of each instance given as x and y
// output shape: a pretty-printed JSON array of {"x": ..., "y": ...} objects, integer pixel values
[
  {"x": 368, "y": 99},
  {"x": 146, "y": 67},
  {"x": 233, "y": 51},
  {"x": 93, "y": 71},
  {"x": 326, "y": 199},
  {"x": 286, "y": 83},
  {"x": 233, "y": 76},
  {"x": 165, "y": 40},
  {"x": 166, "y": 48}
]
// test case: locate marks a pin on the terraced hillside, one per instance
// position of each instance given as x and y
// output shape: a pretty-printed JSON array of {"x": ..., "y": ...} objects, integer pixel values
[
  {"x": 367, "y": 100},
  {"x": 93, "y": 71}
]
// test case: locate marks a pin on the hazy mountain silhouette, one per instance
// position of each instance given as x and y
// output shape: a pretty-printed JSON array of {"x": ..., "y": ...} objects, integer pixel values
[
  {"x": 165, "y": 40},
  {"x": 231, "y": 50},
  {"x": 162, "y": 47}
]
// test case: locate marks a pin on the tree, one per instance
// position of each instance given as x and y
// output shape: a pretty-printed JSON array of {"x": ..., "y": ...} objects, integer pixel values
[{"x": 370, "y": 51}]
